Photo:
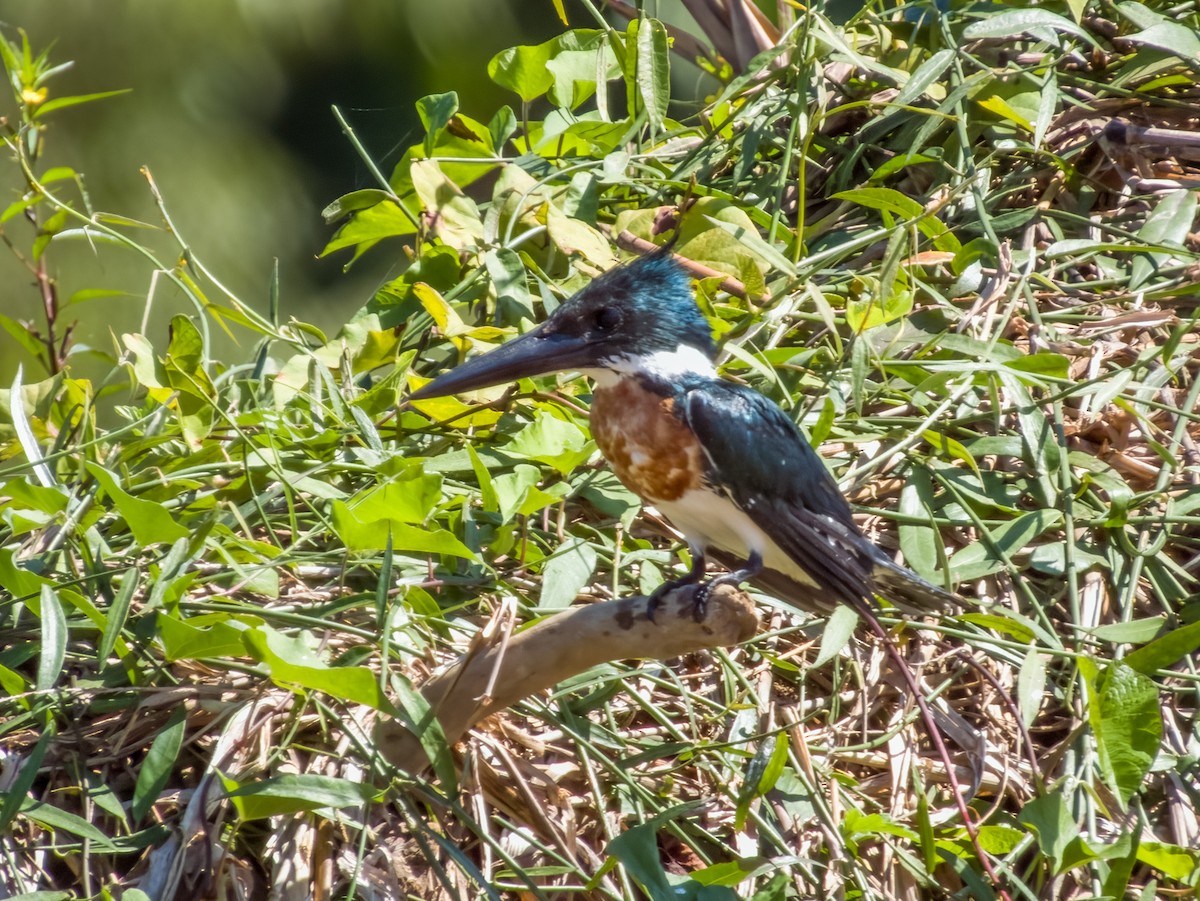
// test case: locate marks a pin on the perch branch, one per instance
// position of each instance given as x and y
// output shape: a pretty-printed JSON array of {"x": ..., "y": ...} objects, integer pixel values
[{"x": 560, "y": 647}]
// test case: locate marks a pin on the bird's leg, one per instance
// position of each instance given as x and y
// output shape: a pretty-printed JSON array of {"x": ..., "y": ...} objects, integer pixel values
[
  {"x": 694, "y": 575},
  {"x": 752, "y": 568}
]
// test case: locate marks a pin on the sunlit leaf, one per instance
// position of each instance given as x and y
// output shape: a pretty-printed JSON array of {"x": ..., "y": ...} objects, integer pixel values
[
  {"x": 293, "y": 664},
  {"x": 53, "y": 640},
  {"x": 1124, "y": 715},
  {"x": 58, "y": 103},
  {"x": 435, "y": 112},
  {"x": 150, "y": 523},
  {"x": 565, "y": 573},
  {"x": 1166, "y": 651},
  {"x": 371, "y": 534},
  {"x": 836, "y": 634},
  {"x": 293, "y": 792}
]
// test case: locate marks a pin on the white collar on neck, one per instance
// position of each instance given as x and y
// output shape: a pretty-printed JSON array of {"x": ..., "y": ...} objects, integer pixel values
[{"x": 662, "y": 364}]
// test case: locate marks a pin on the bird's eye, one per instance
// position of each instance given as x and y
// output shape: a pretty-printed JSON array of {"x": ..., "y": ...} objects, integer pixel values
[{"x": 608, "y": 318}]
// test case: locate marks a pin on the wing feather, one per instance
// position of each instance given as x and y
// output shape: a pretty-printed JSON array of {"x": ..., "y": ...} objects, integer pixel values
[{"x": 758, "y": 456}]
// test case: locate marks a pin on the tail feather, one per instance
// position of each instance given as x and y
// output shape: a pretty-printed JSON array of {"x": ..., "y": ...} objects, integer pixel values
[
  {"x": 909, "y": 592},
  {"x": 902, "y": 587}
]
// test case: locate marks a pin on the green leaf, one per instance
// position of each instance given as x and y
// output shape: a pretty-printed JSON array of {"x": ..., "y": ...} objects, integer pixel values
[
  {"x": 16, "y": 797},
  {"x": 568, "y": 64},
  {"x": 1123, "y": 711},
  {"x": 1166, "y": 650},
  {"x": 149, "y": 522},
  {"x": 1031, "y": 685},
  {"x": 63, "y": 102},
  {"x": 1041, "y": 23},
  {"x": 12, "y": 683},
  {"x": 292, "y": 663},
  {"x": 892, "y": 202},
  {"x": 513, "y": 301},
  {"x": 999, "y": 840},
  {"x": 582, "y": 60},
  {"x": 986, "y": 557},
  {"x": 777, "y": 888},
  {"x": 25, "y": 436},
  {"x": 16, "y": 579},
  {"x": 518, "y": 494},
  {"x": 653, "y": 68},
  {"x": 1170, "y": 860},
  {"x": 114, "y": 620},
  {"x": 23, "y": 336},
  {"x": 160, "y": 760},
  {"x": 1170, "y": 223},
  {"x": 857, "y": 826},
  {"x": 367, "y": 227},
  {"x": 874, "y": 303},
  {"x": 436, "y": 111},
  {"x": 184, "y": 366},
  {"x": 483, "y": 478},
  {"x": 1121, "y": 856},
  {"x": 553, "y": 441},
  {"x": 1175, "y": 38},
  {"x": 523, "y": 70},
  {"x": 573, "y": 236},
  {"x": 195, "y": 639},
  {"x": 409, "y": 496},
  {"x": 456, "y": 218},
  {"x": 53, "y": 644},
  {"x": 728, "y": 874},
  {"x": 761, "y": 775},
  {"x": 837, "y": 634},
  {"x": 920, "y": 543},
  {"x": 1012, "y": 624},
  {"x": 371, "y": 534},
  {"x": 565, "y": 573},
  {"x": 83, "y": 295},
  {"x": 1043, "y": 363},
  {"x": 949, "y": 447},
  {"x": 57, "y": 819},
  {"x": 1137, "y": 631},
  {"x": 294, "y": 792},
  {"x": 820, "y": 429},
  {"x": 1000, "y": 107},
  {"x": 884, "y": 199},
  {"x": 502, "y": 126},
  {"x": 1051, "y": 820},
  {"x": 1048, "y": 100},
  {"x": 637, "y": 849},
  {"x": 421, "y": 720},
  {"x": 354, "y": 202},
  {"x": 925, "y": 77}
]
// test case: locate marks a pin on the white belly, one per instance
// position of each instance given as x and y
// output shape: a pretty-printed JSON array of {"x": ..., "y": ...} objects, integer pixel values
[{"x": 708, "y": 520}]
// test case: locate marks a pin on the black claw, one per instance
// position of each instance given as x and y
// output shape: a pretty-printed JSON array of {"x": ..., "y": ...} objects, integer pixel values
[
  {"x": 695, "y": 574},
  {"x": 655, "y": 599},
  {"x": 704, "y": 591}
]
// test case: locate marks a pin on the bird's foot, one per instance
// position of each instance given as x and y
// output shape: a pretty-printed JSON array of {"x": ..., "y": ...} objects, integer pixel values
[
  {"x": 705, "y": 590},
  {"x": 704, "y": 593},
  {"x": 694, "y": 575},
  {"x": 656, "y": 597}
]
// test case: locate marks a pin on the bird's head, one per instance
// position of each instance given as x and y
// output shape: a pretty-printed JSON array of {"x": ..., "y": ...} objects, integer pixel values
[{"x": 637, "y": 317}]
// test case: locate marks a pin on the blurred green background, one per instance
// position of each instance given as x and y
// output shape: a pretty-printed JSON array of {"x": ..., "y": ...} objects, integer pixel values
[{"x": 230, "y": 112}]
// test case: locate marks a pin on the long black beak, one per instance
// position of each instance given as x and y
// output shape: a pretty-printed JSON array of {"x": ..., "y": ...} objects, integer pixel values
[{"x": 537, "y": 352}]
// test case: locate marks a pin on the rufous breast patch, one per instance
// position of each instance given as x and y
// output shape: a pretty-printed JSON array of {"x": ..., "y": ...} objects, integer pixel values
[{"x": 650, "y": 450}]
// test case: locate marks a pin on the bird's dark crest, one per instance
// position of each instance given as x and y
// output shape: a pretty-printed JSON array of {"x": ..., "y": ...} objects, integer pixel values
[{"x": 645, "y": 305}]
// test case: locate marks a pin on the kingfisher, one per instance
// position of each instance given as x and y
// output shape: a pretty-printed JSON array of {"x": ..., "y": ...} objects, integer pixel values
[{"x": 729, "y": 469}]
